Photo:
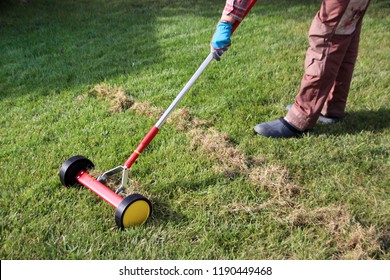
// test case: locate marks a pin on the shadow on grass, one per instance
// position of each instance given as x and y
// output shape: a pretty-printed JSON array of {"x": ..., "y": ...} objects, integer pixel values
[
  {"x": 357, "y": 121},
  {"x": 163, "y": 213},
  {"x": 62, "y": 44},
  {"x": 49, "y": 46}
]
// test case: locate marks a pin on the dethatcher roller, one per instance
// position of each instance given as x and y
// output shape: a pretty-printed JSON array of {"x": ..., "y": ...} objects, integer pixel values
[{"x": 134, "y": 209}]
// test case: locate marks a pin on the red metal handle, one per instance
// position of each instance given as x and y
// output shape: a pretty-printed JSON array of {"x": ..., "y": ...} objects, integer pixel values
[{"x": 144, "y": 143}]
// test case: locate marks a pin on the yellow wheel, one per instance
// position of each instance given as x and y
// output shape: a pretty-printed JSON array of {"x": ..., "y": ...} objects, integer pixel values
[{"x": 134, "y": 210}]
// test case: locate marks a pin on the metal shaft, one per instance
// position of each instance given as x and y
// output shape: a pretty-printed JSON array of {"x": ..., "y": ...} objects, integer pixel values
[{"x": 201, "y": 68}]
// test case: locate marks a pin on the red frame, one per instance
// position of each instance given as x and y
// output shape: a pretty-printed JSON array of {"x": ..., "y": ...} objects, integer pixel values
[{"x": 98, "y": 188}]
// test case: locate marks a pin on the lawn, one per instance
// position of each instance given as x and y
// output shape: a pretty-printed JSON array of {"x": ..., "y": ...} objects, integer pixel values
[{"x": 218, "y": 190}]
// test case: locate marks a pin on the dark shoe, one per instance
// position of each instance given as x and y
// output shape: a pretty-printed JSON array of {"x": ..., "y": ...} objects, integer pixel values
[
  {"x": 279, "y": 128},
  {"x": 321, "y": 118},
  {"x": 324, "y": 119}
]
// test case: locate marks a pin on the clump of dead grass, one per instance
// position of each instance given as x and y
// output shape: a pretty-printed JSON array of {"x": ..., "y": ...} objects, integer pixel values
[
  {"x": 352, "y": 240},
  {"x": 217, "y": 145},
  {"x": 119, "y": 100},
  {"x": 275, "y": 179},
  {"x": 183, "y": 120},
  {"x": 334, "y": 218},
  {"x": 361, "y": 243},
  {"x": 147, "y": 110}
]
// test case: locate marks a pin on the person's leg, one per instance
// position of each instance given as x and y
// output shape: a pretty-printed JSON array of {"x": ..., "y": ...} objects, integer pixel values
[
  {"x": 334, "y": 106},
  {"x": 324, "y": 58},
  {"x": 320, "y": 72},
  {"x": 315, "y": 87},
  {"x": 325, "y": 84}
]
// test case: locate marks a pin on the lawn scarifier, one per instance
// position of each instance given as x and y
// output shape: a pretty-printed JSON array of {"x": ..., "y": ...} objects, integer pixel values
[{"x": 134, "y": 209}]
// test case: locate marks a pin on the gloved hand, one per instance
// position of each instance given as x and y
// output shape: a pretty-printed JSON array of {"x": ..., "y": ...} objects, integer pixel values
[{"x": 221, "y": 39}]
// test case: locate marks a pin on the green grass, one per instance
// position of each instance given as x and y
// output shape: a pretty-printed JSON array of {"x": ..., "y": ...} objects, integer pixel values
[{"x": 325, "y": 196}]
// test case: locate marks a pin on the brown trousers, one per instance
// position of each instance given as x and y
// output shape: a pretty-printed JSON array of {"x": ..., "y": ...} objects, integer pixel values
[{"x": 334, "y": 41}]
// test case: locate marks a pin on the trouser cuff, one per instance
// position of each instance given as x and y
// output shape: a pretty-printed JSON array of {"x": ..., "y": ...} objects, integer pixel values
[{"x": 299, "y": 120}]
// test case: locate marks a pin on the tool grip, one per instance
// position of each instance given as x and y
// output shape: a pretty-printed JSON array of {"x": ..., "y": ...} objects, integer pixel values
[{"x": 144, "y": 143}]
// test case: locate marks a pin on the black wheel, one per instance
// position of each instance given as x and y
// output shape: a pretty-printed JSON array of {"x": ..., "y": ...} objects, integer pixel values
[
  {"x": 71, "y": 168},
  {"x": 133, "y": 210}
]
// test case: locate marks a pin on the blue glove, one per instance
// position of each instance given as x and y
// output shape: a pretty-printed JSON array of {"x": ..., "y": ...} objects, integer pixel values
[{"x": 221, "y": 39}]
